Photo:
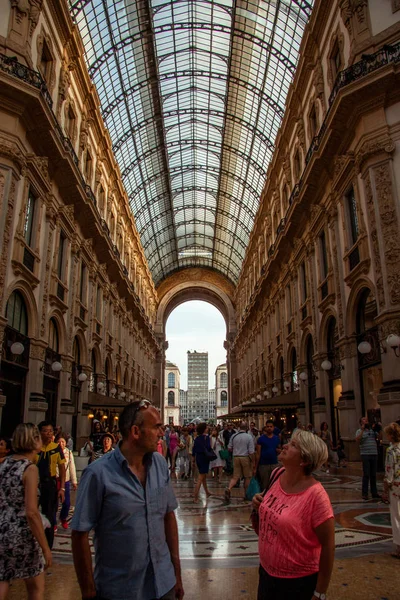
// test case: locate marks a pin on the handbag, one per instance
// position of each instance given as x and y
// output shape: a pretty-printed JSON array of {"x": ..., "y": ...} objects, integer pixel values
[
  {"x": 255, "y": 518},
  {"x": 224, "y": 454},
  {"x": 210, "y": 455},
  {"x": 253, "y": 489}
]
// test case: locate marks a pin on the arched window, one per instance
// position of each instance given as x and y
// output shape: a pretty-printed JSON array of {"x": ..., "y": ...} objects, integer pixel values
[
  {"x": 16, "y": 313},
  {"x": 171, "y": 380},
  {"x": 224, "y": 398},
  {"x": 171, "y": 398},
  {"x": 223, "y": 380},
  {"x": 53, "y": 335}
]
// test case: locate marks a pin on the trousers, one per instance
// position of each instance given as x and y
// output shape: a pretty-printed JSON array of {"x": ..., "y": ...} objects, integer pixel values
[
  {"x": 369, "y": 463},
  {"x": 48, "y": 502},
  {"x": 276, "y": 588}
]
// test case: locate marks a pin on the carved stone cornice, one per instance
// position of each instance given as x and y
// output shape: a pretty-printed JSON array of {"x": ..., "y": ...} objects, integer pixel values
[{"x": 371, "y": 148}]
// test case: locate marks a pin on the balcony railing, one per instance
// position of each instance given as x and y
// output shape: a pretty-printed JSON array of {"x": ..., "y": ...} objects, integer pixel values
[{"x": 10, "y": 65}]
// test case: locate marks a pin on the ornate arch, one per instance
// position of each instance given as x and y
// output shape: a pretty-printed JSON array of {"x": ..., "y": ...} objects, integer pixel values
[
  {"x": 323, "y": 328},
  {"x": 62, "y": 330},
  {"x": 25, "y": 290},
  {"x": 352, "y": 304},
  {"x": 85, "y": 358},
  {"x": 302, "y": 358}
]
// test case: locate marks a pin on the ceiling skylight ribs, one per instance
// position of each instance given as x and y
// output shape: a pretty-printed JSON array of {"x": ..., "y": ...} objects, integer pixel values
[{"x": 193, "y": 94}]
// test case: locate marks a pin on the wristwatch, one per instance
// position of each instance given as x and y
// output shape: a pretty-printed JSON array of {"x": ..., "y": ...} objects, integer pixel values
[{"x": 320, "y": 595}]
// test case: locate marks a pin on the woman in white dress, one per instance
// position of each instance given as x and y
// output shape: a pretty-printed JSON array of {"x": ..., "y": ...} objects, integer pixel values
[
  {"x": 391, "y": 482},
  {"x": 218, "y": 464}
]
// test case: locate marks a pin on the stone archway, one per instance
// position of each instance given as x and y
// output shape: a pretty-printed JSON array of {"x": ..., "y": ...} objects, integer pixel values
[{"x": 196, "y": 284}]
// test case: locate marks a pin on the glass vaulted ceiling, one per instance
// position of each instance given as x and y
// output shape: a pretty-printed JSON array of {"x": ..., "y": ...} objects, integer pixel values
[{"x": 193, "y": 93}]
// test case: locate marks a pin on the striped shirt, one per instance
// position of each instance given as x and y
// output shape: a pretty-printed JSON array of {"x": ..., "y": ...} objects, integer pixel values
[{"x": 368, "y": 446}]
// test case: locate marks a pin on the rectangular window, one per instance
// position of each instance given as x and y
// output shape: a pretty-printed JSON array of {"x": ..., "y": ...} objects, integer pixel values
[
  {"x": 324, "y": 256},
  {"x": 82, "y": 284},
  {"x": 98, "y": 303},
  {"x": 61, "y": 253},
  {"x": 303, "y": 275},
  {"x": 29, "y": 219},
  {"x": 353, "y": 217}
]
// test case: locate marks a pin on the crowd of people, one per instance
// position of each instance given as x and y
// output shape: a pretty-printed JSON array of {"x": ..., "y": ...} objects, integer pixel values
[{"x": 126, "y": 494}]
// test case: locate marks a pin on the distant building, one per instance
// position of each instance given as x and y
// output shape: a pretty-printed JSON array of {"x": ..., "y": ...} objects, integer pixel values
[
  {"x": 183, "y": 406},
  {"x": 197, "y": 394},
  {"x": 172, "y": 394},
  {"x": 211, "y": 405},
  {"x": 221, "y": 390}
]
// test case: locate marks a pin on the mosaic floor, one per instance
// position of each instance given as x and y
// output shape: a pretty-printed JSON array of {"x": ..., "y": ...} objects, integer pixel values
[{"x": 219, "y": 548}]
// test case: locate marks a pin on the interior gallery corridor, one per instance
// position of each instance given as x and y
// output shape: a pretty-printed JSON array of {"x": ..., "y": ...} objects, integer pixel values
[{"x": 219, "y": 550}]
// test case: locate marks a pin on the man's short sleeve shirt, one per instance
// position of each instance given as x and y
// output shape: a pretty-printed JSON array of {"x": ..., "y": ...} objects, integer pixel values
[
  {"x": 48, "y": 459},
  {"x": 132, "y": 558}
]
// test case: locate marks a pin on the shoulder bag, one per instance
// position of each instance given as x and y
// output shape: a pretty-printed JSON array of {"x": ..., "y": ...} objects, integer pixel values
[{"x": 255, "y": 518}]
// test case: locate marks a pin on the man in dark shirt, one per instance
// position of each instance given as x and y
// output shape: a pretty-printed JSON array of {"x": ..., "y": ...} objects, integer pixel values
[{"x": 267, "y": 449}]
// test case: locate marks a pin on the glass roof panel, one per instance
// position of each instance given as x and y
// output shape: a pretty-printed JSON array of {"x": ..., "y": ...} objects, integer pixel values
[{"x": 193, "y": 94}]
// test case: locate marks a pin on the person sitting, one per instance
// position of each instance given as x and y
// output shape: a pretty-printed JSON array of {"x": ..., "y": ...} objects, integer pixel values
[{"x": 296, "y": 526}]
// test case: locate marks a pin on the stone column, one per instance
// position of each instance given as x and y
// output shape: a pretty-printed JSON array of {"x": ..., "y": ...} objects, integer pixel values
[{"x": 37, "y": 407}]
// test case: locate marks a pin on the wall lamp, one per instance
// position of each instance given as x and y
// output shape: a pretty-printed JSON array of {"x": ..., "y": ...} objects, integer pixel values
[
  {"x": 275, "y": 390},
  {"x": 392, "y": 341},
  {"x": 55, "y": 366},
  {"x": 286, "y": 385},
  {"x": 304, "y": 378},
  {"x": 267, "y": 393},
  {"x": 17, "y": 348},
  {"x": 326, "y": 365}
]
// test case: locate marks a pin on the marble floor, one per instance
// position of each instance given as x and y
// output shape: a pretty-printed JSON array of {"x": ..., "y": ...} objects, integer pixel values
[{"x": 219, "y": 548}]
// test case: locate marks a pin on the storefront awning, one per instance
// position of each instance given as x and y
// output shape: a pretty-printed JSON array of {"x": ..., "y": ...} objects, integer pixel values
[{"x": 290, "y": 401}]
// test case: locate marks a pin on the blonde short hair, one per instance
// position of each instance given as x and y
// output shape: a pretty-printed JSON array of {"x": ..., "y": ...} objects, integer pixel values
[
  {"x": 25, "y": 438},
  {"x": 394, "y": 431},
  {"x": 312, "y": 449}
]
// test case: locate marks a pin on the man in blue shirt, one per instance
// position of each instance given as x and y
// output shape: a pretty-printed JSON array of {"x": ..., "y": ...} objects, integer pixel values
[
  {"x": 267, "y": 448},
  {"x": 126, "y": 497}
]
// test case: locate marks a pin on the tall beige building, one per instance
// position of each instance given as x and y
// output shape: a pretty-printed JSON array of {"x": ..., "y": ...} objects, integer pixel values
[
  {"x": 221, "y": 390},
  {"x": 172, "y": 415},
  {"x": 265, "y": 182}
]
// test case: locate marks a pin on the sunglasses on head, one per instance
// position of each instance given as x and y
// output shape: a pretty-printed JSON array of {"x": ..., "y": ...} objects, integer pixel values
[{"x": 141, "y": 404}]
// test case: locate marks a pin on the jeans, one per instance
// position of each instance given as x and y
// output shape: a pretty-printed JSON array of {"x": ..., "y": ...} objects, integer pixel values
[
  {"x": 276, "y": 588},
  {"x": 67, "y": 502},
  {"x": 369, "y": 463},
  {"x": 48, "y": 502}
]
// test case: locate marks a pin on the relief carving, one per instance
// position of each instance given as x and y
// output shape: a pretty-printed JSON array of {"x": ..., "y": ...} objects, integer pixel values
[
  {"x": 10, "y": 150},
  {"x": 6, "y": 234},
  {"x": 372, "y": 148},
  {"x": 390, "y": 229},
  {"x": 374, "y": 241}
]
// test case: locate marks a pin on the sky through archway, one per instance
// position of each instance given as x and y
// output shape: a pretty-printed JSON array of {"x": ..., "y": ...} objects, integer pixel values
[{"x": 196, "y": 325}]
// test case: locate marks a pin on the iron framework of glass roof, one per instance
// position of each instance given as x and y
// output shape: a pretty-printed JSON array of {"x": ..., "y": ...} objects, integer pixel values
[{"x": 193, "y": 94}]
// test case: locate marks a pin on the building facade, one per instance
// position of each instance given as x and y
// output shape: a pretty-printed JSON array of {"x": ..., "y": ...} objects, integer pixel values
[
  {"x": 197, "y": 393},
  {"x": 172, "y": 414},
  {"x": 77, "y": 301},
  {"x": 211, "y": 406},
  {"x": 183, "y": 406},
  {"x": 221, "y": 390},
  {"x": 318, "y": 301}
]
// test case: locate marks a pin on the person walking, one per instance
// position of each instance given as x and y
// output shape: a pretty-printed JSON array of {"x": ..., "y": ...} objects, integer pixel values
[
  {"x": 126, "y": 497},
  {"x": 267, "y": 449},
  {"x": 296, "y": 526},
  {"x": 241, "y": 444},
  {"x": 24, "y": 551},
  {"x": 185, "y": 453},
  {"x": 391, "y": 482},
  {"x": 47, "y": 460},
  {"x": 326, "y": 437},
  {"x": 366, "y": 438},
  {"x": 218, "y": 464},
  {"x": 70, "y": 480},
  {"x": 201, "y": 446}
]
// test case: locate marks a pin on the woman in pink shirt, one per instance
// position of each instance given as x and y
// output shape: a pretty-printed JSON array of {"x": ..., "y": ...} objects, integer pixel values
[{"x": 297, "y": 530}]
